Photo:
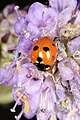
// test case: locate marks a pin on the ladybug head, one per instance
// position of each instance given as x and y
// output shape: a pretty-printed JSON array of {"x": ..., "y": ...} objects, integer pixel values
[{"x": 40, "y": 65}]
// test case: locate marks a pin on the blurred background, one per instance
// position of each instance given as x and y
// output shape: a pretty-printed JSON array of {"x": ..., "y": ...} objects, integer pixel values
[{"x": 8, "y": 42}]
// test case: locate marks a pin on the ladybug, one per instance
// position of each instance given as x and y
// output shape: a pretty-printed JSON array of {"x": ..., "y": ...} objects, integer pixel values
[{"x": 43, "y": 53}]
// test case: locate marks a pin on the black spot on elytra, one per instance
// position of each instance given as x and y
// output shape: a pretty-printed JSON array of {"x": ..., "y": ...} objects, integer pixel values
[
  {"x": 35, "y": 48},
  {"x": 46, "y": 49}
]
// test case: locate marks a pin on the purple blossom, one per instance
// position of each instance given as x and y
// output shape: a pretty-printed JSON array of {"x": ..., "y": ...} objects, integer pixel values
[{"x": 47, "y": 94}]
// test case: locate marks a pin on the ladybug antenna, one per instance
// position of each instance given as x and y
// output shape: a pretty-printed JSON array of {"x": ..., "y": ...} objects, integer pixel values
[{"x": 17, "y": 12}]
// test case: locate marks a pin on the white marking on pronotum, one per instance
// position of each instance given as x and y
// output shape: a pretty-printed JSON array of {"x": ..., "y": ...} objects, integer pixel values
[
  {"x": 40, "y": 55},
  {"x": 40, "y": 62},
  {"x": 48, "y": 54}
]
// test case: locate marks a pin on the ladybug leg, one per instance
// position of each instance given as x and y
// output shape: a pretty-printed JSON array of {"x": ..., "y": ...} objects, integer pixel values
[
  {"x": 52, "y": 71},
  {"x": 44, "y": 78}
]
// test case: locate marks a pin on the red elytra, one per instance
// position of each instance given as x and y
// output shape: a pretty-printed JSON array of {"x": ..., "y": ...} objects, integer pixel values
[{"x": 43, "y": 51}]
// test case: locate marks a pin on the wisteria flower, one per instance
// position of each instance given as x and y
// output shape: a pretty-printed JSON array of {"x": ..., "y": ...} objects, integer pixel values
[{"x": 53, "y": 93}]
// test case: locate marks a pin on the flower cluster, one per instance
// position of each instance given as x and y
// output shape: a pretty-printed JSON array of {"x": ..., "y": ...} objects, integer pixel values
[
  {"x": 8, "y": 39},
  {"x": 47, "y": 94}
]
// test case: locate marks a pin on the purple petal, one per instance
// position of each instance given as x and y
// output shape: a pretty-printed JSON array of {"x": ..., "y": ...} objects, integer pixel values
[
  {"x": 33, "y": 29},
  {"x": 74, "y": 45},
  {"x": 32, "y": 86},
  {"x": 77, "y": 21},
  {"x": 66, "y": 72},
  {"x": 24, "y": 45},
  {"x": 48, "y": 17},
  {"x": 60, "y": 91},
  {"x": 35, "y": 13},
  {"x": 29, "y": 115},
  {"x": 61, "y": 5},
  {"x": 7, "y": 79},
  {"x": 20, "y": 25},
  {"x": 34, "y": 102}
]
